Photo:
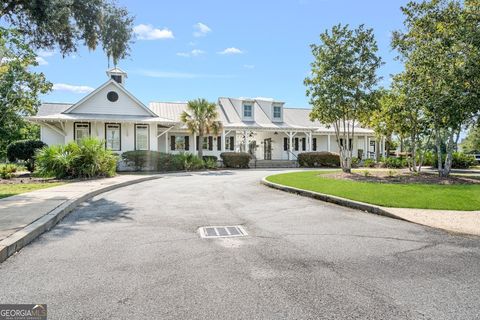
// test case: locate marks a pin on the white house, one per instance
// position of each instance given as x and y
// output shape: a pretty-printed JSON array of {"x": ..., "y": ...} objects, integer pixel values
[{"x": 265, "y": 128}]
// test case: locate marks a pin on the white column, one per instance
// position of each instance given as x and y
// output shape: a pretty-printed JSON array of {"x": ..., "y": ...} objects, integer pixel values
[
  {"x": 245, "y": 140},
  {"x": 166, "y": 141},
  {"x": 328, "y": 143},
  {"x": 310, "y": 141},
  {"x": 290, "y": 147},
  {"x": 223, "y": 141},
  {"x": 365, "y": 149},
  {"x": 194, "y": 149}
]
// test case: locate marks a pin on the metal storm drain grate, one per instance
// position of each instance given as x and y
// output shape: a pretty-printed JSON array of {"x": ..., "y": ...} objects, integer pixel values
[{"x": 222, "y": 232}]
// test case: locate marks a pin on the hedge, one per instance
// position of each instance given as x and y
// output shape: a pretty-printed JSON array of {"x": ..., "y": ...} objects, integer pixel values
[
  {"x": 24, "y": 150},
  {"x": 235, "y": 159},
  {"x": 318, "y": 159},
  {"x": 160, "y": 161}
]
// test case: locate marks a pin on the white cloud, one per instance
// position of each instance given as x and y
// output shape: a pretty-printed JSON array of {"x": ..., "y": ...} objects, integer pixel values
[
  {"x": 45, "y": 53},
  {"x": 231, "y": 50},
  {"x": 201, "y": 30},
  {"x": 41, "y": 61},
  {"x": 193, "y": 53},
  {"x": 181, "y": 75},
  {"x": 71, "y": 88},
  {"x": 249, "y": 66},
  {"x": 148, "y": 32}
]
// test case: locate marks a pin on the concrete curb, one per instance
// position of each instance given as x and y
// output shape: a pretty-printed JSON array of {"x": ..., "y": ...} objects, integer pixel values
[
  {"x": 333, "y": 199},
  {"x": 21, "y": 238}
]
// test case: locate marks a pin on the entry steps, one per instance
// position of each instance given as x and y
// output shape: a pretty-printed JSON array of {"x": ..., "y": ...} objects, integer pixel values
[{"x": 273, "y": 164}]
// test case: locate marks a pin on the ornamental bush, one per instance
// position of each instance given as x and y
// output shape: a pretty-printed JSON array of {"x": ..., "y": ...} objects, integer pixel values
[
  {"x": 463, "y": 161},
  {"x": 393, "y": 162},
  {"x": 318, "y": 159},
  {"x": 235, "y": 159},
  {"x": 24, "y": 150},
  {"x": 160, "y": 161},
  {"x": 87, "y": 159}
]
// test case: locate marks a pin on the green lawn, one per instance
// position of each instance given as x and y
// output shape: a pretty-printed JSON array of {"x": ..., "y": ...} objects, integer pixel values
[
  {"x": 426, "y": 196},
  {"x": 8, "y": 190}
]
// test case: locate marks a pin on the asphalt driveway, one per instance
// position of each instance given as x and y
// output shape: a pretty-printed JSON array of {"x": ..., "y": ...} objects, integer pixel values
[{"x": 134, "y": 253}]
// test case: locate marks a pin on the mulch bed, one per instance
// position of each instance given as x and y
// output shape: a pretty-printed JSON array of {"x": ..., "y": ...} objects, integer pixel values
[
  {"x": 24, "y": 177},
  {"x": 401, "y": 176}
]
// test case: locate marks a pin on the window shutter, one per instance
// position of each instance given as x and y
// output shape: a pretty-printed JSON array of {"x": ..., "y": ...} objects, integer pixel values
[
  {"x": 285, "y": 144},
  {"x": 219, "y": 143},
  {"x": 296, "y": 144},
  {"x": 172, "y": 143},
  {"x": 304, "y": 144},
  {"x": 232, "y": 141},
  {"x": 197, "y": 142},
  {"x": 314, "y": 143},
  {"x": 187, "y": 143},
  {"x": 210, "y": 143}
]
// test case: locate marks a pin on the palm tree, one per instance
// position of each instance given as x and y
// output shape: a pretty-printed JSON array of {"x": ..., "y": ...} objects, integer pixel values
[{"x": 201, "y": 118}]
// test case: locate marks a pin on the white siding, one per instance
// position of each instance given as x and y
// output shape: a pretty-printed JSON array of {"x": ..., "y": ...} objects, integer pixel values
[
  {"x": 99, "y": 104},
  {"x": 50, "y": 137}
]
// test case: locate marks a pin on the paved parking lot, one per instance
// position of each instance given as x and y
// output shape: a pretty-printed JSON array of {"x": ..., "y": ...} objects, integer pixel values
[{"x": 134, "y": 253}]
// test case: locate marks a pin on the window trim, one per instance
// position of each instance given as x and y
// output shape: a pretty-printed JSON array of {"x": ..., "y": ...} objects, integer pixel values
[
  {"x": 251, "y": 111},
  {"x": 135, "y": 136},
  {"x": 273, "y": 112},
  {"x": 75, "y": 129},
  {"x": 120, "y": 135}
]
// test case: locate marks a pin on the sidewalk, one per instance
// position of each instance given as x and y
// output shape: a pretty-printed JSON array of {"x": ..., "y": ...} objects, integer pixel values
[
  {"x": 467, "y": 222},
  {"x": 25, "y": 216}
]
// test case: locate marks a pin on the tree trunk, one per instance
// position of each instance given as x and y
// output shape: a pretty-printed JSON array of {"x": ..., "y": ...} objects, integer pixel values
[
  {"x": 200, "y": 145},
  {"x": 414, "y": 153},
  {"x": 345, "y": 161},
  {"x": 438, "y": 145},
  {"x": 449, "y": 157}
]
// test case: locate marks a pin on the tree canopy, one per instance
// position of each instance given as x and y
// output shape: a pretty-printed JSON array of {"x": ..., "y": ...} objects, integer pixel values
[
  {"x": 64, "y": 23},
  {"x": 201, "y": 118},
  {"x": 19, "y": 87},
  {"x": 343, "y": 80},
  {"x": 440, "y": 49}
]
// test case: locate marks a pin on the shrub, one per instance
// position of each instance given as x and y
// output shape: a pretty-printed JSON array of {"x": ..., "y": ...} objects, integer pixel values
[
  {"x": 160, "y": 161},
  {"x": 205, "y": 158},
  {"x": 87, "y": 159},
  {"x": 319, "y": 159},
  {"x": 24, "y": 150},
  {"x": 210, "y": 163},
  {"x": 369, "y": 163},
  {"x": 235, "y": 159},
  {"x": 190, "y": 161},
  {"x": 459, "y": 161},
  {"x": 393, "y": 162},
  {"x": 7, "y": 171},
  {"x": 463, "y": 161},
  {"x": 355, "y": 162}
]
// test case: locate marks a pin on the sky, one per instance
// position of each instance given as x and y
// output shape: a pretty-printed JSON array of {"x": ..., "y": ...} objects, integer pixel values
[{"x": 184, "y": 50}]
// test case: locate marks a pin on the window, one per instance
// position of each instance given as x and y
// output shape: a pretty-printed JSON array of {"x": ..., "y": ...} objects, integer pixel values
[
  {"x": 112, "y": 136},
  {"x": 229, "y": 143},
  {"x": 205, "y": 143},
  {"x": 349, "y": 143},
  {"x": 180, "y": 143},
  {"x": 82, "y": 130},
  {"x": 286, "y": 144},
  {"x": 112, "y": 96},
  {"x": 277, "y": 112},
  {"x": 247, "y": 111},
  {"x": 141, "y": 137}
]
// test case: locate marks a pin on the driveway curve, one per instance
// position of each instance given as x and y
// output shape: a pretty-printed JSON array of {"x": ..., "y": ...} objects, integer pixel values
[{"x": 134, "y": 253}]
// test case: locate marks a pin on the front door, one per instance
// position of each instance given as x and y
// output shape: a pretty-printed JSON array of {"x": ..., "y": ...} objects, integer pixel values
[{"x": 267, "y": 149}]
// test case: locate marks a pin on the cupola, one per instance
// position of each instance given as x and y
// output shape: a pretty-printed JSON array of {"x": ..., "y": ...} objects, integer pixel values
[{"x": 117, "y": 74}]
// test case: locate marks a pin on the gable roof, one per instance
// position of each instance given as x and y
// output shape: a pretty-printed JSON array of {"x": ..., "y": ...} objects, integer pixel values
[{"x": 119, "y": 87}]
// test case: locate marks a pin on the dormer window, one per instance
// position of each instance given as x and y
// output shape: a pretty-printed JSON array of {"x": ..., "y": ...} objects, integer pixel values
[
  {"x": 277, "y": 112},
  {"x": 247, "y": 111}
]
